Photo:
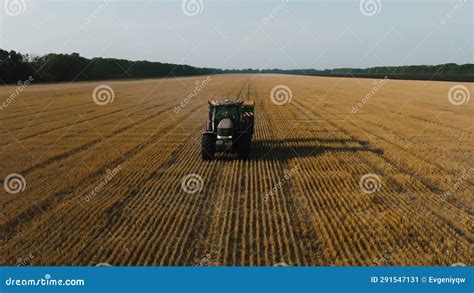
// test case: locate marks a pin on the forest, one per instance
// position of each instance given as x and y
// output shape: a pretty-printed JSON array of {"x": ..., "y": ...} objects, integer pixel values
[{"x": 15, "y": 67}]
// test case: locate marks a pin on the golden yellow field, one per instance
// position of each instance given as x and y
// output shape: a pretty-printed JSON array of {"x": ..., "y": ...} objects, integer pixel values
[{"x": 347, "y": 172}]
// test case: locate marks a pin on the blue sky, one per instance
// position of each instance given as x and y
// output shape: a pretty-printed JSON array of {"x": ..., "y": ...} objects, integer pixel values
[{"x": 247, "y": 34}]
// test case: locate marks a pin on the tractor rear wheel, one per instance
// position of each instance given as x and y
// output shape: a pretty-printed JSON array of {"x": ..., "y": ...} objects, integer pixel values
[
  {"x": 244, "y": 142},
  {"x": 208, "y": 148}
]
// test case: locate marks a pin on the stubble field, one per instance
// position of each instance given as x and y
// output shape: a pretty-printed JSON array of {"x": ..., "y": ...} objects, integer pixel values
[{"x": 346, "y": 172}]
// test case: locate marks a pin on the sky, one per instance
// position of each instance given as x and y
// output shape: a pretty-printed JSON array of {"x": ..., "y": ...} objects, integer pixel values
[{"x": 285, "y": 34}]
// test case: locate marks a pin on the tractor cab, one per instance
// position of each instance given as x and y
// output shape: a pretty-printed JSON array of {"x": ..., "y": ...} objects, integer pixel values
[
  {"x": 229, "y": 127},
  {"x": 229, "y": 112}
]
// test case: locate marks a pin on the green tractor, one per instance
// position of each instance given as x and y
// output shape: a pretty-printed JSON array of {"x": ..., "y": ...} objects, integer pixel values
[{"x": 229, "y": 127}]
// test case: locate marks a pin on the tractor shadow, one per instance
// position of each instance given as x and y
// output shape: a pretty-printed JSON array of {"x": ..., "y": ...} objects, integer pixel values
[{"x": 286, "y": 149}]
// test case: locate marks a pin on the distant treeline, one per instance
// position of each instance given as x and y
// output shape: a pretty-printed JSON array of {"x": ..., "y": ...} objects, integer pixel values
[
  {"x": 16, "y": 67},
  {"x": 446, "y": 72}
]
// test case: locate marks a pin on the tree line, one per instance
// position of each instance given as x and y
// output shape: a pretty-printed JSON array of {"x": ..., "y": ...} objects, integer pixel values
[
  {"x": 15, "y": 67},
  {"x": 443, "y": 72}
]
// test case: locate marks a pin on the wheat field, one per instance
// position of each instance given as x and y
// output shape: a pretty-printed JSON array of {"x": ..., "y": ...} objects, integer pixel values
[{"x": 342, "y": 171}]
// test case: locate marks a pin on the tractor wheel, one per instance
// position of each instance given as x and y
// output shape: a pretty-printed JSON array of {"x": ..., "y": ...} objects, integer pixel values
[
  {"x": 244, "y": 142},
  {"x": 250, "y": 124},
  {"x": 208, "y": 148}
]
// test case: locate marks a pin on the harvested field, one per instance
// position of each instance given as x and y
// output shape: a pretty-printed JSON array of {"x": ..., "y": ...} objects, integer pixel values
[{"x": 349, "y": 172}]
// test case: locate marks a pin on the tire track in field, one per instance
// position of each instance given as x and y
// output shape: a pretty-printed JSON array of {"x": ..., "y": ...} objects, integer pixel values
[
  {"x": 398, "y": 134},
  {"x": 310, "y": 207},
  {"x": 193, "y": 230},
  {"x": 131, "y": 201},
  {"x": 236, "y": 230},
  {"x": 34, "y": 114},
  {"x": 71, "y": 94},
  {"x": 286, "y": 235},
  {"x": 307, "y": 241},
  {"x": 10, "y": 228},
  {"x": 225, "y": 219},
  {"x": 168, "y": 254},
  {"x": 198, "y": 246},
  {"x": 317, "y": 172},
  {"x": 61, "y": 114},
  {"x": 89, "y": 144},
  {"x": 362, "y": 247},
  {"x": 308, "y": 148},
  {"x": 96, "y": 174},
  {"x": 189, "y": 236},
  {"x": 432, "y": 186},
  {"x": 120, "y": 218},
  {"x": 235, "y": 234},
  {"x": 438, "y": 212},
  {"x": 342, "y": 95},
  {"x": 414, "y": 154},
  {"x": 80, "y": 121}
]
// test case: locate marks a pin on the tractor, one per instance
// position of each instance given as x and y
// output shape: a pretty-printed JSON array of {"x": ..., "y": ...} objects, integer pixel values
[{"x": 229, "y": 127}]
